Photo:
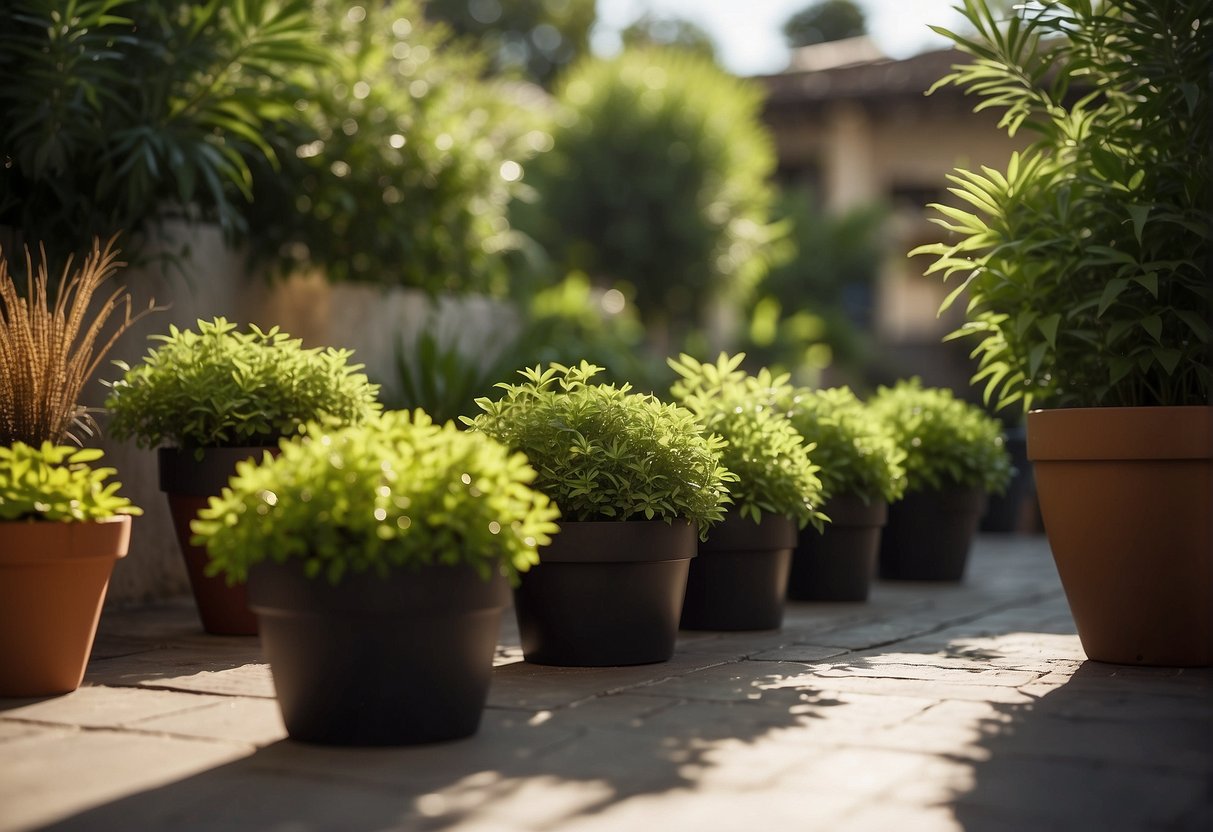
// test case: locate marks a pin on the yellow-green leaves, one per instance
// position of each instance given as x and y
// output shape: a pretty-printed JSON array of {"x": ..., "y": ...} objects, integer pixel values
[
  {"x": 56, "y": 482},
  {"x": 769, "y": 457},
  {"x": 946, "y": 441},
  {"x": 218, "y": 386},
  {"x": 603, "y": 452},
  {"x": 397, "y": 491}
]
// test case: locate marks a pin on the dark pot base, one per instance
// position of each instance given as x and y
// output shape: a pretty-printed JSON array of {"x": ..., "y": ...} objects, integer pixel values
[
  {"x": 600, "y": 614},
  {"x": 929, "y": 535},
  {"x": 839, "y": 563},
  {"x": 605, "y": 593},
  {"x": 740, "y": 578},
  {"x": 399, "y": 661},
  {"x": 736, "y": 590}
]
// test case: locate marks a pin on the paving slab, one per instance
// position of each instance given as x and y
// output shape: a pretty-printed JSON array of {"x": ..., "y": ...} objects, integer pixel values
[{"x": 931, "y": 707}]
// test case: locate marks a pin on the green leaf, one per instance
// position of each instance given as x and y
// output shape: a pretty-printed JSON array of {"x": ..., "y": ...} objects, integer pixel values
[
  {"x": 1153, "y": 325},
  {"x": 1112, "y": 290},
  {"x": 1048, "y": 327},
  {"x": 1139, "y": 214}
]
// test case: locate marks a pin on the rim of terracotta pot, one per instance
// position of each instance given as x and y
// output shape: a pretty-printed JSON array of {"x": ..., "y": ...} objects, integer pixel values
[
  {"x": 630, "y": 541},
  {"x": 39, "y": 541},
  {"x": 181, "y": 472},
  {"x": 1079, "y": 433}
]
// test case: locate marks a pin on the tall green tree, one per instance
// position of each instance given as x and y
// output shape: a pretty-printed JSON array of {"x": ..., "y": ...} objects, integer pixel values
[
  {"x": 658, "y": 179},
  {"x": 537, "y": 38},
  {"x": 825, "y": 21},
  {"x": 675, "y": 32}
]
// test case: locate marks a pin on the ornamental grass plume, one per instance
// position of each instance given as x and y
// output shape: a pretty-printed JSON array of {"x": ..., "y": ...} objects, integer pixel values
[{"x": 49, "y": 351}]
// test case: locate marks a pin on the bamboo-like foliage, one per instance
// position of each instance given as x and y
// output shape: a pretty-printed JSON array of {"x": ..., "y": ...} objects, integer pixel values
[{"x": 48, "y": 351}]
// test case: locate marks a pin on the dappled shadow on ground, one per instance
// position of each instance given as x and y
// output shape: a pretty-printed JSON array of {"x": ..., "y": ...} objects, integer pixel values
[
  {"x": 1130, "y": 746},
  {"x": 526, "y": 768}
]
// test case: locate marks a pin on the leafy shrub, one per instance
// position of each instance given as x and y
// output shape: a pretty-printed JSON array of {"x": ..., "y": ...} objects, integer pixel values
[
  {"x": 602, "y": 452},
  {"x": 51, "y": 343},
  {"x": 395, "y": 492},
  {"x": 658, "y": 175},
  {"x": 854, "y": 448},
  {"x": 115, "y": 114},
  {"x": 400, "y": 162},
  {"x": 1085, "y": 263},
  {"x": 218, "y": 387},
  {"x": 947, "y": 442},
  {"x": 770, "y": 458},
  {"x": 56, "y": 483}
]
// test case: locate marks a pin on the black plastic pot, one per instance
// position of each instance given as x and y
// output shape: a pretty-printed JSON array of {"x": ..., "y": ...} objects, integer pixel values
[
  {"x": 929, "y": 534},
  {"x": 839, "y": 563},
  {"x": 740, "y": 578},
  {"x": 605, "y": 593},
  {"x": 400, "y": 660},
  {"x": 189, "y": 483}
]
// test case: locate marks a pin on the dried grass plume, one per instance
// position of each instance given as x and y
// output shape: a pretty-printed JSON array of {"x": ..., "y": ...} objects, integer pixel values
[{"x": 48, "y": 352}]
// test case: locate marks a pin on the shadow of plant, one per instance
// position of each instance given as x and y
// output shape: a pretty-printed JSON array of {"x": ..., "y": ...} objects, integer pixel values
[
  {"x": 1129, "y": 743},
  {"x": 536, "y": 766}
]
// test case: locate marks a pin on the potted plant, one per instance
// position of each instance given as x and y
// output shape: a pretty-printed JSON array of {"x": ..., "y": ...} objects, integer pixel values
[
  {"x": 62, "y": 529},
  {"x": 1085, "y": 267},
  {"x": 739, "y": 580},
  {"x": 954, "y": 459},
  {"x": 861, "y": 473},
  {"x": 217, "y": 396},
  {"x": 62, "y": 526},
  {"x": 634, "y": 478},
  {"x": 377, "y": 558}
]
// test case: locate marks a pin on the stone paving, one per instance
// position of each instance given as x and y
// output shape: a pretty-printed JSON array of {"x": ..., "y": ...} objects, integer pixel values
[{"x": 929, "y": 708}]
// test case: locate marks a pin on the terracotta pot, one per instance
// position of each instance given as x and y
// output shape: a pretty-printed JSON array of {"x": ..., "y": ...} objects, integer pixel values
[
  {"x": 740, "y": 577},
  {"x": 839, "y": 563},
  {"x": 189, "y": 483},
  {"x": 396, "y": 660},
  {"x": 53, "y": 579},
  {"x": 606, "y": 593},
  {"x": 1127, "y": 500},
  {"x": 929, "y": 533}
]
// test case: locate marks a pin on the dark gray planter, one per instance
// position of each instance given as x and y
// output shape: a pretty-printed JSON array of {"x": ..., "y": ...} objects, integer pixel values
[
  {"x": 839, "y": 563},
  {"x": 739, "y": 580},
  {"x": 400, "y": 660},
  {"x": 605, "y": 593},
  {"x": 929, "y": 534},
  {"x": 189, "y": 483}
]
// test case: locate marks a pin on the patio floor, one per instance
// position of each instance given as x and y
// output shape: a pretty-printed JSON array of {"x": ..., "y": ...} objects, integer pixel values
[{"x": 931, "y": 707}]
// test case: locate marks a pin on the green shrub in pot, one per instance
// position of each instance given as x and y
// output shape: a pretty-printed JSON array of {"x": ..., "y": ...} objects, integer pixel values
[
  {"x": 769, "y": 457},
  {"x": 1085, "y": 267},
  {"x": 216, "y": 395},
  {"x": 633, "y": 477},
  {"x": 739, "y": 580},
  {"x": 947, "y": 441},
  {"x": 220, "y": 387},
  {"x": 861, "y": 473},
  {"x": 605, "y": 453},
  {"x": 378, "y": 557},
  {"x": 62, "y": 529},
  {"x": 955, "y": 457},
  {"x": 852, "y": 446}
]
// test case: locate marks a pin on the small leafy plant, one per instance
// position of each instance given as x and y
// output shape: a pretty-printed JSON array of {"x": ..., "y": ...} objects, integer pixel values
[
  {"x": 770, "y": 458},
  {"x": 218, "y": 387},
  {"x": 947, "y": 442},
  {"x": 397, "y": 491},
  {"x": 605, "y": 453},
  {"x": 57, "y": 483},
  {"x": 1085, "y": 262},
  {"x": 855, "y": 449}
]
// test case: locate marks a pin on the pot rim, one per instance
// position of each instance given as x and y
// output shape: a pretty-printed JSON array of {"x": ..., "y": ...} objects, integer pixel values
[{"x": 1164, "y": 432}]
